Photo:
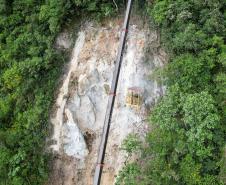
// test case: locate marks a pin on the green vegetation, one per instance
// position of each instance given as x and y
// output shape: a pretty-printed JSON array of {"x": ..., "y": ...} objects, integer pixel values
[
  {"x": 186, "y": 145},
  {"x": 29, "y": 69}
]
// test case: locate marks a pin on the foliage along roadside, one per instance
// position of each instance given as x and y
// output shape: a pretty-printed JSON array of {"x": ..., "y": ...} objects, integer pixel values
[
  {"x": 29, "y": 69},
  {"x": 186, "y": 145}
]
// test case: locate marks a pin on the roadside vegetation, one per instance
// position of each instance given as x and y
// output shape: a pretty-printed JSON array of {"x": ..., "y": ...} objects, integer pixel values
[
  {"x": 186, "y": 145},
  {"x": 29, "y": 69}
]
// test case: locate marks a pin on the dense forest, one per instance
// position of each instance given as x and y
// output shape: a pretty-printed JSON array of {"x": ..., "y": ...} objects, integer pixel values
[
  {"x": 187, "y": 143},
  {"x": 29, "y": 69}
]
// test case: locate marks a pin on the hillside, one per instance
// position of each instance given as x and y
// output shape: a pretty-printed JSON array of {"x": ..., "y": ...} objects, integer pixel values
[{"x": 56, "y": 64}]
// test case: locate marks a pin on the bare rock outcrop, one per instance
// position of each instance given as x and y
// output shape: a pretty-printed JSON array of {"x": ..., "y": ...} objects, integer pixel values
[{"x": 81, "y": 104}]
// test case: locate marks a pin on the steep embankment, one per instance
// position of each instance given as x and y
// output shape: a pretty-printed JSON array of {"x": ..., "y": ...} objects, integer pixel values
[{"x": 81, "y": 103}]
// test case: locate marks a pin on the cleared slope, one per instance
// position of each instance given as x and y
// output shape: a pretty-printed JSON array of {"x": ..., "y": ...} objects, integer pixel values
[{"x": 82, "y": 100}]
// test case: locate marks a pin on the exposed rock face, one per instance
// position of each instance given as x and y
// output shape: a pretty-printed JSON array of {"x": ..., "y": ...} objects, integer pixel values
[
  {"x": 58, "y": 118},
  {"x": 73, "y": 140},
  {"x": 82, "y": 100}
]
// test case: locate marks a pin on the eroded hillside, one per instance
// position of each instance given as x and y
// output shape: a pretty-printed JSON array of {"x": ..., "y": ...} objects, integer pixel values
[{"x": 81, "y": 103}]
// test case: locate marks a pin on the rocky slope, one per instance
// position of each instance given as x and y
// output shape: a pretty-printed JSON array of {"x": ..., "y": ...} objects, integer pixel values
[{"x": 81, "y": 103}]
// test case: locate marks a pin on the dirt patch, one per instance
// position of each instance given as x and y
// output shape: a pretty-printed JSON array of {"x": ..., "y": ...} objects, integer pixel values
[{"x": 89, "y": 138}]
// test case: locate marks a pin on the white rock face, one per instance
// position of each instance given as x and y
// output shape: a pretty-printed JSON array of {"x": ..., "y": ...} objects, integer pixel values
[
  {"x": 74, "y": 143},
  {"x": 82, "y": 100},
  {"x": 85, "y": 113},
  {"x": 58, "y": 118}
]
